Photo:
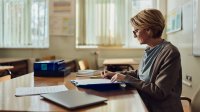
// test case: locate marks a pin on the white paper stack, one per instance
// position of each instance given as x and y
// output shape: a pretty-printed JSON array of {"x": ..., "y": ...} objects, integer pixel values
[{"x": 23, "y": 91}]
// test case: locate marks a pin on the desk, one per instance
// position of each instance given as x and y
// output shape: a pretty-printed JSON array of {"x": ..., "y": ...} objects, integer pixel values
[
  {"x": 20, "y": 65},
  {"x": 3, "y": 68},
  {"x": 118, "y": 101},
  {"x": 120, "y": 64}
]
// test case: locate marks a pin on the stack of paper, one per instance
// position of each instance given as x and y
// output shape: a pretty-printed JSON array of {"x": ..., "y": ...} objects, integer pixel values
[
  {"x": 89, "y": 73},
  {"x": 22, "y": 91}
]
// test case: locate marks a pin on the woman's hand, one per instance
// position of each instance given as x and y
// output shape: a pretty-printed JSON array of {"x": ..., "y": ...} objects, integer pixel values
[
  {"x": 113, "y": 76},
  {"x": 107, "y": 74},
  {"x": 118, "y": 77}
]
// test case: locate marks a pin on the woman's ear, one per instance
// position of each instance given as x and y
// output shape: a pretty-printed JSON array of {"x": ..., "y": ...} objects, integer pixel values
[{"x": 149, "y": 32}]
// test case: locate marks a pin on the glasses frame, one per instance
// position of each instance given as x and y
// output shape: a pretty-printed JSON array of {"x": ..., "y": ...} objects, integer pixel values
[{"x": 135, "y": 33}]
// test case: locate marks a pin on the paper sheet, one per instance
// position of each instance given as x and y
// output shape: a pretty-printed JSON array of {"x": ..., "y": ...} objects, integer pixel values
[{"x": 23, "y": 91}]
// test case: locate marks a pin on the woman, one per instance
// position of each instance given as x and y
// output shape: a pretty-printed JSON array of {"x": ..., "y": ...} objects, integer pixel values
[{"x": 159, "y": 77}]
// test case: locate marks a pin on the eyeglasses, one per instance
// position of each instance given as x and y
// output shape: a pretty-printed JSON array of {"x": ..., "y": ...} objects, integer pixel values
[{"x": 135, "y": 33}]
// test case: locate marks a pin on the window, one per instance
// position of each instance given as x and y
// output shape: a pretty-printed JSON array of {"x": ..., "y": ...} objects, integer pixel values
[
  {"x": 106, "y": 23},
  {"x": 24, "y": 24}
]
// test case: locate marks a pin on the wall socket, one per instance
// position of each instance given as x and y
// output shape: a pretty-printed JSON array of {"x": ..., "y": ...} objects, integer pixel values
[{"x": 188, "y": 78}]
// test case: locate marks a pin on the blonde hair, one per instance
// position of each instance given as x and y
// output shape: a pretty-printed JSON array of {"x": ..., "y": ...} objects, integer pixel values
[{"x": 151, "y": 19}]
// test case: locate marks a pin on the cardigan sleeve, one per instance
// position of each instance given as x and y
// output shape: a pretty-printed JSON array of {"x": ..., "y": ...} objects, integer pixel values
[{"x": 132, "y": 73}]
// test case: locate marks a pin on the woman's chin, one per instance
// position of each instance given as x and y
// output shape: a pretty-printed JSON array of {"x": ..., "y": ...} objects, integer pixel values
[{"x": 141, "y": 42}]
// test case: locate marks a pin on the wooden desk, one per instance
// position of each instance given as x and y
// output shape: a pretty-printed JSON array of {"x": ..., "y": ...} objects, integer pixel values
[
  {"x": 119, "y": 64},
  {"x": 3, "y": 68},
  {"x": 5, "y": 73},
  {"x": 118, "y": 101},
  {"x": 120, "y": 61},
  {"x": 20, "y": 65}
]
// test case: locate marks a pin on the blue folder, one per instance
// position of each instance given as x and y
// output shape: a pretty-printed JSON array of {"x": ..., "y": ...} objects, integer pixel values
[{"x": 97, "y": 84}]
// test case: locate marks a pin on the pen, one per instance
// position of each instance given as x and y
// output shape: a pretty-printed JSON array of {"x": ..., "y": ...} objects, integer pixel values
[{"x": 104, "y": 71}]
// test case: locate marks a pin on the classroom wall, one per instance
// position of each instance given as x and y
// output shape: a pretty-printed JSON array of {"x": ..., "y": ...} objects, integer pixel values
[{"x": 183, "y": 40}]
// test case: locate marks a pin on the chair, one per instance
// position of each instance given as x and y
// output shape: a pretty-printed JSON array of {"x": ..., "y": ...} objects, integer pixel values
[
  {"x": 83, "y": 64},
  {"x": 194, "y": 103},
  {"x": 119, "y": 64},
  {"x": 115, "y": 68}
]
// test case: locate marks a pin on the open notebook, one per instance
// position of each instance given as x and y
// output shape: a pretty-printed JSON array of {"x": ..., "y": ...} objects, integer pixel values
[{"x": 73, "y": 99}]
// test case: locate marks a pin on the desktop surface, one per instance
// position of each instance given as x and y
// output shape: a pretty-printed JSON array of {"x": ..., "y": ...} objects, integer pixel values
[
  {"x": 125, "y": 100},
  {"x": 118, "y": 61}
]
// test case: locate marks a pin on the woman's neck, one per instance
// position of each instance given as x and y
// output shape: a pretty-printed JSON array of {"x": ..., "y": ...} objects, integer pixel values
[{"x": 154, "y": 42}]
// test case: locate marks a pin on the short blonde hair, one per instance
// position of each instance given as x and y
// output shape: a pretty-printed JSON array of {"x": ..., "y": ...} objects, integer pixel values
[{"x": 151, "y": 19}]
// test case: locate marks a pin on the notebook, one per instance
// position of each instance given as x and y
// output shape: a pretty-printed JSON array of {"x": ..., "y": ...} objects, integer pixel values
[{"x": 73, "y": 99}]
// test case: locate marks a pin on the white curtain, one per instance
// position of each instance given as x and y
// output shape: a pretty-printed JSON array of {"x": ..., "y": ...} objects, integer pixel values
[
  {"x": 1, "y": 23},
  {"x": 15, "y": 19},
  {"x": 105, "y": 20},
  {"x": 39, "y": 23},
  {"x": 25, "y": 23}
]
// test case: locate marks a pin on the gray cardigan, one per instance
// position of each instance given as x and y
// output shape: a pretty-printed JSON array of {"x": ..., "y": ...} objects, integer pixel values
[{"x": 162, "y": 93}]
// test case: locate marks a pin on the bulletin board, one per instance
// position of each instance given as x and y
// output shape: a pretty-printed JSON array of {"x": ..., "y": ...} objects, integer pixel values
[
  {"x": 62, "y": 17},
  {"x": 174, "y": 20}
]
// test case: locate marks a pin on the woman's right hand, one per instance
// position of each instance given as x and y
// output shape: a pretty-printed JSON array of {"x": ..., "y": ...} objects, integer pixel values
[{"x": 107, "y": 74}]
